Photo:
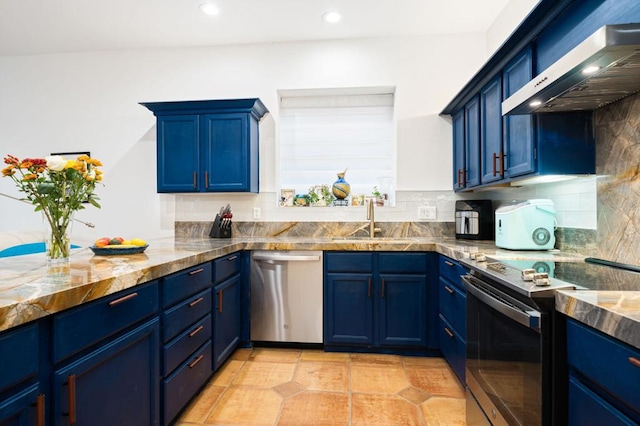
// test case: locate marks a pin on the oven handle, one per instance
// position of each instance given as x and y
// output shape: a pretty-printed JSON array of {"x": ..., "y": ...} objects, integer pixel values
[{"x": 529, "y": 319}]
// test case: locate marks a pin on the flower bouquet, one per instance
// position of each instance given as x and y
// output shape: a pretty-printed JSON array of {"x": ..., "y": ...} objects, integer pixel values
[{"x": 58, "y": 188}]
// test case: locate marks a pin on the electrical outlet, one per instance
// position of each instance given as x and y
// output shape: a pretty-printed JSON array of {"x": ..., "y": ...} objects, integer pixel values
[
  {"x": 427, "y": 212},
  {"x": 256, "y": 212}
]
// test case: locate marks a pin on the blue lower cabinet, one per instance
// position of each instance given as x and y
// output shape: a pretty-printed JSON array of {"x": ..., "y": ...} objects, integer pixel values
[
  {"x": 587, "y": 408},
  {"x": 25, "y": 407},
  {"x": 185, "y": 382},
  {"x": 452, "y": 321},
  {"x": 453, "y": 347},
  {"x": 383, "y": 306},
  {"x": 116, "y": 384},
  {"x": 227, "y": 319}
]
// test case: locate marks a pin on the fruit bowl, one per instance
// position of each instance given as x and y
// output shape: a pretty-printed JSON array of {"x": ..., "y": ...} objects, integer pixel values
[{"x": 114, "y": 250}]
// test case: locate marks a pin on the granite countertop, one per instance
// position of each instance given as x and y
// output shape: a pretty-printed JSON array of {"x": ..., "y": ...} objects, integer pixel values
[{"x": 29, "y": 289}]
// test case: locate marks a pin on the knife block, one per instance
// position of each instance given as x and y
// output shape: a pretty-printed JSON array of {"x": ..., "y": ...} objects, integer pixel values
[{"x": 217, "y": 231}]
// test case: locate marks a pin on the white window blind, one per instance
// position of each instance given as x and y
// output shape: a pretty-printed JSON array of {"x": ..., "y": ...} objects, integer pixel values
[{"x": 322, "y": 135}]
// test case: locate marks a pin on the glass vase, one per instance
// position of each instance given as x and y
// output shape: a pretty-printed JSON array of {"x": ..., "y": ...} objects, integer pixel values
[
  {"x": 340, "y": 187},
  {"x": 57, "y": 237}
]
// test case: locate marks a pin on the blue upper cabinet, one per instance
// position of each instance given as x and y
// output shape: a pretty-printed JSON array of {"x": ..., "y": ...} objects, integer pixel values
[
  {"x": 458, "y": 149},
  {"x": 471, "y": 173},
  {"x": 208, "y": 146},
  {"x": 492, "y": 153}
]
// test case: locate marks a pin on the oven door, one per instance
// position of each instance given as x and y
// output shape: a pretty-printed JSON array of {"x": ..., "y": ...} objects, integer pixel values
[{"x": 505, "y": 355}]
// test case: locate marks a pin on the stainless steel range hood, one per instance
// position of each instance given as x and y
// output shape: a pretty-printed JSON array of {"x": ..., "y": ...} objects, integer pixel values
[{"x": 602, "y": 69}]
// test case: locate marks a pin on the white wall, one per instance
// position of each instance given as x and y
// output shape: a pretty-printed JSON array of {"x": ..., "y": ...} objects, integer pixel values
[
  {"x": 508, "y": 20},
  {"x": 89, "y": 101}
]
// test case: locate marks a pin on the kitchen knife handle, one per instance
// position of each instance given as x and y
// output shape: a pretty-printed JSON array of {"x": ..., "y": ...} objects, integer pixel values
[{"x": 634, "y": 361}]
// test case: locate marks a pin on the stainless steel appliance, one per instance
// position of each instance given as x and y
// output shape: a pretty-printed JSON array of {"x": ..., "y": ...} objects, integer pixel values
[
  {"x": 474, "y": 219},
  {"x": 286, "y": 296},
  {"x": 516, "y": 358},
  {"x": 600, "y": 70}
]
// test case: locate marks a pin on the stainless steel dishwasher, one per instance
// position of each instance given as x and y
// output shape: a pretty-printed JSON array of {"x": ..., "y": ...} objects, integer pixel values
[{"x": 286, "y": 296}]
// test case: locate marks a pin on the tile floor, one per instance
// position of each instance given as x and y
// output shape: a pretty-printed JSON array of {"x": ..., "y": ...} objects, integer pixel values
[{"x": 305, "y": 387}]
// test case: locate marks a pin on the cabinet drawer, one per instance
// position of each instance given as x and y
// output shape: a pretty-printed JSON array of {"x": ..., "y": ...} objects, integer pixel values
[
  {"x": 183, "y": 346},
  {"x": 21, "y": 408},
  {"x": 587, "y": 408},
  {"x": 452, "y": 270},
  {"x": 78, "y": 328},
  {"x": 453, "y": 348},
  {"x": 402, "y": 263},
  {"x": 453, "y": 305},
  {"x": 605, "y": 361},
  {"x": 348, "y": 262},
  {"x": 227, "y": 266},
  {"x": 182, "y": 385},
  {"x": 180, "y": 317},
  {"x": 178, "y": 286},
  {"x": 19, "y": 351}
]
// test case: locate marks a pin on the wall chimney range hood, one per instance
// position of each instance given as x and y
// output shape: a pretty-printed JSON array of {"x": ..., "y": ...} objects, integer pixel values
[{"x": 604, "y": 68}]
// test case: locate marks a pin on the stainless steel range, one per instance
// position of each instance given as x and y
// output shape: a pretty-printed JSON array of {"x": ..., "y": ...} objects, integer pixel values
[{"x": 515, "y": 339}]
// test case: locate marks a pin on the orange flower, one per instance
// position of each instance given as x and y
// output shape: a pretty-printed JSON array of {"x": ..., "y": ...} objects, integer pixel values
[
  {"x": 8, "y": 171},
  {"x": 30, "y": 176}
]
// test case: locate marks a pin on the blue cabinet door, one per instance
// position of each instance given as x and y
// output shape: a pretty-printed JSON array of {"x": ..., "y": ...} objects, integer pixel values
[
  {"x": 117, "y": 384},
  {"x": 225, "y": 152},
  {"x": 518, "y": 129},
  {"x": 178, "y": 153},
  {"x": 471, "y": 173},
  {"x": 458, "y": 149},
  {"x": 348, "y": 309},
  {"x": 23, "y": 408},
  {"x": 227, "y": 319},
  {"x": 492, "y": 154},
  {"x": 402, "y": 310}
]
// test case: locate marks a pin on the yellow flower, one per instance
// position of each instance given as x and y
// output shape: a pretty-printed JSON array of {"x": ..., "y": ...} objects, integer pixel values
[
  {"x": 83, "y": 157},
  {"x": 94, "y": 161},
  {"x": 8, "y": 171}
]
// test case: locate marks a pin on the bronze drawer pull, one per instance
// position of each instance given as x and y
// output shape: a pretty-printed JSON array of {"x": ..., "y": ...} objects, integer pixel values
[
  {"x": 197, "y": 271},
  {"x": 634, "y": 361},
  {"x": 233, "y": 257},
  {"x": 195, "y": 302},
  {"x": 220, "y": 301},
  {"x": 196, "y": 361},
  {"x": 369, "y": 289},
  {"x": 40, "y": 410},
  {"x": 382, "y": 290},
  {"x": 195, "y": 180},
  {"x": 196, "y": 331},
  {"x": 446, "y": 287},
  {"x": 446, "y": 330},
  {"x": 71, "y": 382},
  {"x": 206, "y": 180},
  {"x": 446, "y": 262},
  {"x": 502, "y": 155},
  {"x": 122, "y": 299},
  {"x": 495, "y": 157}
]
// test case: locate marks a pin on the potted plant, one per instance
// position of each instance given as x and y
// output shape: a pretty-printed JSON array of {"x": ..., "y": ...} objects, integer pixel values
[
  {"x": 378, "y": 196},
  {"x": 321, "y": 195}
]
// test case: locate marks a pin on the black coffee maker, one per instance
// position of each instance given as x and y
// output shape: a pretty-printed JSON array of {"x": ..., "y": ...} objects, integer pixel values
[{"x": 474, "y": 220}]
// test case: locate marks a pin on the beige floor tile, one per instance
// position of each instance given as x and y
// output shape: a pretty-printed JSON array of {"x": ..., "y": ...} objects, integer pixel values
[
  {"x": 264, "y": 374},
  {"x": 278, "y": 355},
  {"x": 200, "y": 407},
  {"x": 246, "y": 406},
  {"x": 425, "y": 361},
  {"x": 371, "y": 378},
  {"x": 414, "y": 395},
  {"x": 325, "y": 356},
  {"x": 375, "y": 359},
  {"x": 229, "y": 370},
  {"x": 388, "y": 410},
  {"x": 327, "y": 376},
  {"x": 242, "y": 354},
  {"x": 441, "y": 411},
  {"x": 288, "y": 389},
  {"x": 435, "y": 381},
  {"x": 315, "y": 409}
]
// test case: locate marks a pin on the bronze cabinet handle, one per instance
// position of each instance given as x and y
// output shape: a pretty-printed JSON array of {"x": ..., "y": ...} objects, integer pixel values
[
  {"x": 446, "y": 330},
  {"x": 382, "y": 289},
  {"x": 369, "y": 289},
  {"x": 502, "y": 155},
  {"x": 40, "y": 410},
  {"x": 71, "y": 383},
  {"x": 123, "y": 299},
  {"x": 446, "y": 262},
  {"x": 232, "y": 258},
  {"x": 197, "y": 271},
  {"x": 634, "y": 361},
  {"x": 495, "y": 157},
  {"x": 195, "y": 179},
  {"x": 196, "y": 331},
  {"x": 446, "y": 287},
  {"x": 459, "y": 178},
  {"x": 206, "y": 179},
  {"x": 220, "y": 300},
  {"x": 196, "y": 361},
  {"x": 195, "y": 302}
]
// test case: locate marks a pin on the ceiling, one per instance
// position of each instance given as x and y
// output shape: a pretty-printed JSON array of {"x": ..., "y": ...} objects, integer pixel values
[{"x": 30, "y": 27}]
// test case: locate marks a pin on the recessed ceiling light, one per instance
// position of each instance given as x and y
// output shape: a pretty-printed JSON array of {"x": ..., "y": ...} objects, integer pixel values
[
  {"x": 331, "y": 17},
  {"x": 535, "y": 103},
  {"x": 209, "y": 9},
  {"x": 591, "y": 69}
]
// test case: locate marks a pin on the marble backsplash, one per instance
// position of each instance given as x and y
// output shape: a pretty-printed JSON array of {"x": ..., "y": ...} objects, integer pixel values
[{"x": 618, "y": 167}]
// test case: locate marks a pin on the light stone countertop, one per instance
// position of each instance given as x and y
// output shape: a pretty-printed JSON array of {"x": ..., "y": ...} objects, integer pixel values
[{"x": 30, "y": 290}]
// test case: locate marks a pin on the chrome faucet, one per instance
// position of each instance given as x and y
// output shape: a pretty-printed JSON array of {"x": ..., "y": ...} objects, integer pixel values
[{"x": 371, "y": 218}]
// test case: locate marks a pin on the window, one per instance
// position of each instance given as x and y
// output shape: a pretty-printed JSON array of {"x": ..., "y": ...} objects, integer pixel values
[{"x": 324, "y": 132}]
